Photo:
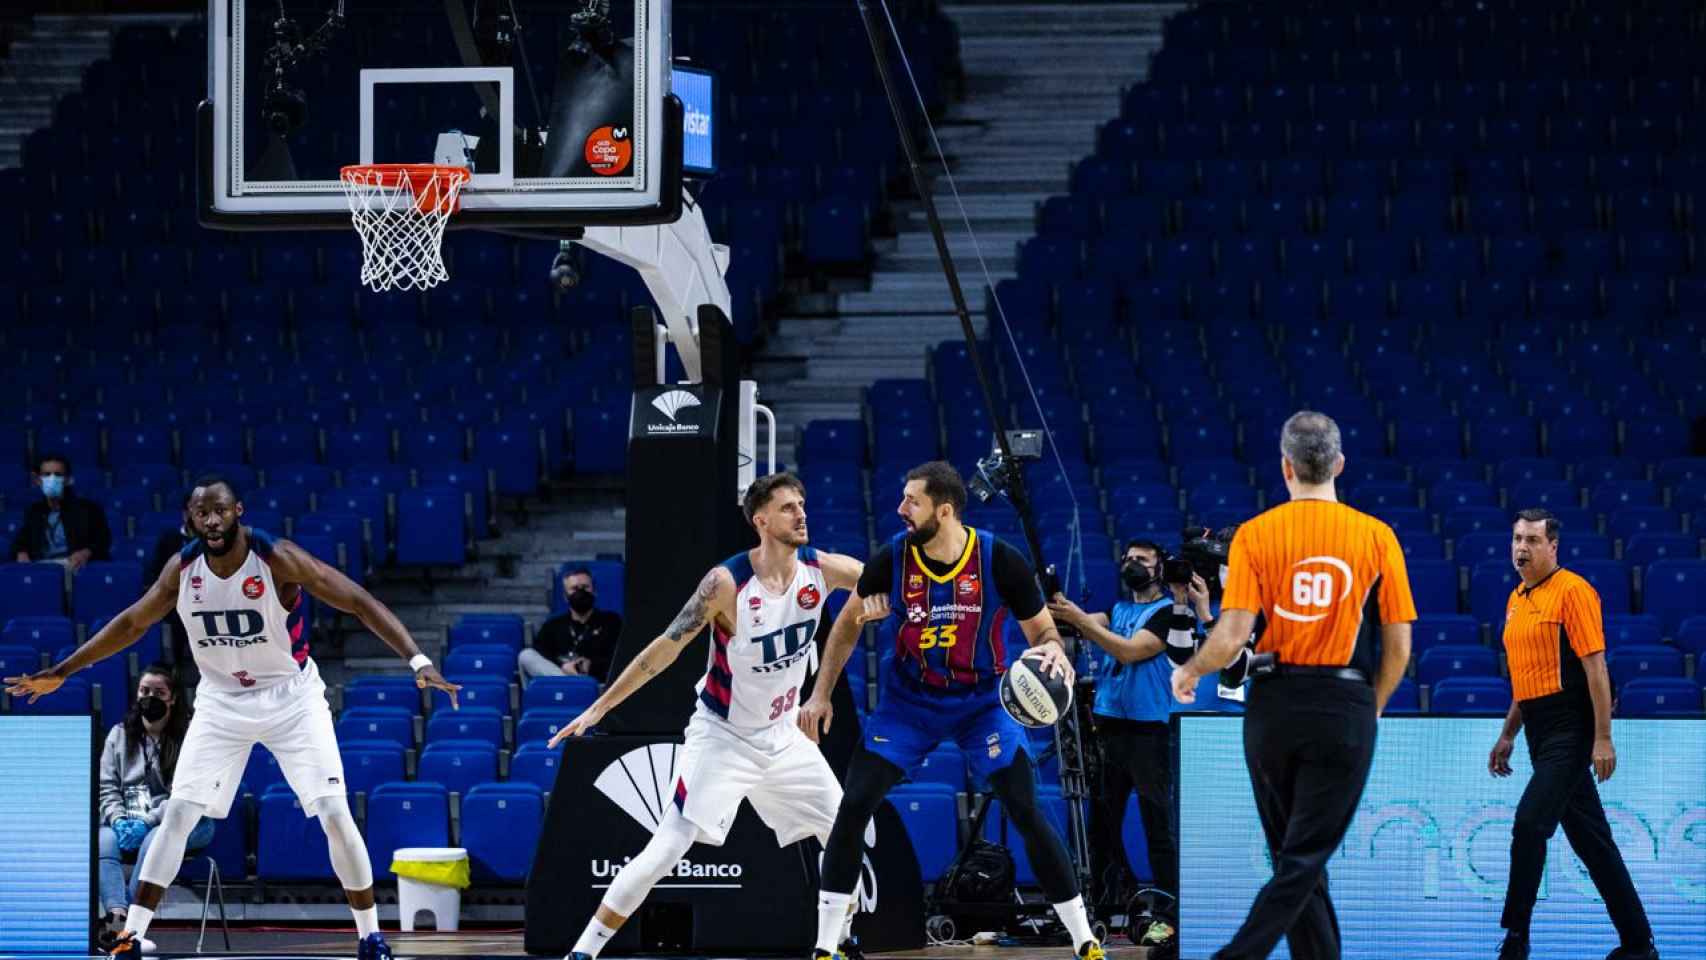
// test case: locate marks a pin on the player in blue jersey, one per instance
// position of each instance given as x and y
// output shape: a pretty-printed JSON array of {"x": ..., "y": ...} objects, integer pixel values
[{"x": 953, "y": 587}]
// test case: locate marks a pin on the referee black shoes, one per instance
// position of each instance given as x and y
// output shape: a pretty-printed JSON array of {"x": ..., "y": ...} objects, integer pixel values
[{"x": 1515, "y": 946}]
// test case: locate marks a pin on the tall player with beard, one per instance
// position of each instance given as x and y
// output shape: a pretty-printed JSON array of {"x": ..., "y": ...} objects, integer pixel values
[
  {"x": 742, "y": 742},
  {"x": 240, "y": 593},
  {"x": 953, "y": 587}
]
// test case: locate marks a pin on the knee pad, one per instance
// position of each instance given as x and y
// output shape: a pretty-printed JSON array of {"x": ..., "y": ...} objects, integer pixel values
[
  {"x": 166, "y": 854},
  {"x": 343, "y": 842}
]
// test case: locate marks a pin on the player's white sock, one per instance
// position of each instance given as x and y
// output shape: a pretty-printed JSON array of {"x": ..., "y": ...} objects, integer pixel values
[
  {"x": 137, "y": 920},
  {"x": 847, "y": 927},
  {"x": 594, "y": 937},
  {"x": 831, "y": 918},
  {"x": 1077, "y": 920},
  {"x": 366, "y": 921}
]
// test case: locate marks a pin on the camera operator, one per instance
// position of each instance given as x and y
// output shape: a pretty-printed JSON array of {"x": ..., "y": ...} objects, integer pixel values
[
  {"x": 1131, "y": 710},
  {"x": 1221, "y": 692}
]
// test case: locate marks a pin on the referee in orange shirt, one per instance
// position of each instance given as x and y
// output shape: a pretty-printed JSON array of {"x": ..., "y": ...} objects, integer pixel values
[
  {"x": 1311, "y": 567},
  {"x": 1561, "y": 697}
]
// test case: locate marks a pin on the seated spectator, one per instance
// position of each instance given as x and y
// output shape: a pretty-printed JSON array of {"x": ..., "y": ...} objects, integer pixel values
[
  {"x": 61, "y": 527},
  {"x": 137, "y": 764},
  {"x": 577, "y": 643}
]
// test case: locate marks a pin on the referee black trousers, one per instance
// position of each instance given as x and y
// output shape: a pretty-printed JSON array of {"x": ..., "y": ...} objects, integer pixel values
[
  {"x": 1309, "y": 742},
  {"x": 1559, "y": 729}
]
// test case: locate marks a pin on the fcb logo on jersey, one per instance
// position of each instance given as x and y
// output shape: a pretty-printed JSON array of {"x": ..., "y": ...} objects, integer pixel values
[
  {"x": 915, "y": 582},
  {"x": 967, "y": 585},
  {"x": 808, "y": 597},
  {"x": 254, "y": 588}
]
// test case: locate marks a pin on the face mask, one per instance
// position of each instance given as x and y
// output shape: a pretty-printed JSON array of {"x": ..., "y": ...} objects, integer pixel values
[
  {"x": 53, "y": 486},
  {"x": 1136, "y": 576},
  {"x": 582, "y": 601},
  {"x": 152, "y": 709}
]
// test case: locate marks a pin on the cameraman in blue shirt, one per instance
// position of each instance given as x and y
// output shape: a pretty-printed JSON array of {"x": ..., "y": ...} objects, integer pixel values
[{"x": 1133, "y": 703}]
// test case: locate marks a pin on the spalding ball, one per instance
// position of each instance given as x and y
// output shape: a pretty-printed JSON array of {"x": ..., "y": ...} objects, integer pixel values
[{"x": 1033, "y": 697}]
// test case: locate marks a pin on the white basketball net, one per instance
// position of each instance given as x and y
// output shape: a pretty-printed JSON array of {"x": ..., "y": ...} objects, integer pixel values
[{"x": 400, "y": 213}]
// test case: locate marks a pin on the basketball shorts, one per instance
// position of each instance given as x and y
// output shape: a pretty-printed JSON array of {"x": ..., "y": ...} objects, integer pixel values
[
  {"x": 779, "y": 771},
  {"x": 291, "y": 719},
  {"x": 908, "y": 724}
]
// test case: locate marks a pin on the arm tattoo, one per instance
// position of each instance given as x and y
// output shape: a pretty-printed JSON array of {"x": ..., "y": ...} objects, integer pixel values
[{"x": 696, "y": 611}]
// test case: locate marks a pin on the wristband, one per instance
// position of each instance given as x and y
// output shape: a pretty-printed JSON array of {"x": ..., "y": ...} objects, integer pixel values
[{"x": 419, "y": 661}]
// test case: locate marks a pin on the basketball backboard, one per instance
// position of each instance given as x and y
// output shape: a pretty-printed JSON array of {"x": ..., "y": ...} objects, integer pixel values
[{"x": 562, "y": 112}]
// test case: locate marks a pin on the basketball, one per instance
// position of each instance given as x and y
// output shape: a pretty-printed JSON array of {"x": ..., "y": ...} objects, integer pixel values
[{"x": 1031, "y": 695}]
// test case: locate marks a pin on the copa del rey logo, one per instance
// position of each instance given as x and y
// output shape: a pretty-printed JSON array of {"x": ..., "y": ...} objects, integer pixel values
[{"x": 670, "y": 405}]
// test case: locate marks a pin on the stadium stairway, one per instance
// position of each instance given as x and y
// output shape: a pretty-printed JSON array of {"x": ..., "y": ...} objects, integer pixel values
[
  {"x": 45, "y": 62},
  {"x": 1039, "y": 80},
  {"x": 580, "y": 520}
]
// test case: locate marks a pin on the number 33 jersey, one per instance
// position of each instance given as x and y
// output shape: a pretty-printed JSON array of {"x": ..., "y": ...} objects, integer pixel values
[{"x": 754, "y": 675}]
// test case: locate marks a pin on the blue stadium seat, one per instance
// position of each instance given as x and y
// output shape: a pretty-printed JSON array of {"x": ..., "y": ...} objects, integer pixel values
[
  {"x": 1659, "y": 697},
  {"x": 1470, "y": 695},
  {"x": 1611, "y": 579},
  {"x": 1642, "y": 661},
  {"x": 42, "y": 634},
  {"x": 291, "y": 846},
  {"x": 73, "y": 698},
  {"x": 1449, "y": 495},
  {"x": 478, "y": 690},
  {"x": 383, "y": 690},
  {"x": 430, "y": 528},
  {"x": 109, "y": 682},
  {"x": 540, "y": 725},
  {"x": 1416, "y": 545},
  {"x": 494, "y": 660},
  {"x": 489, "y": 629},
  {"x": 103, "y": 589},
  {"x": 17, "y": 659},
  {"x": 1434, "y": 585},
  {"x": 534, "y": 763},
  {"x": 1490, "y": 586},
  {"x": 944, "y": 765},
  {"x": 405, "y": 815},
  {"x": 457, "y": 764},
  {"x": 469, "y": 723},
  {"x": 929, "y": 812},
  {"x": 367, "y": 765},
  {"x": 1632, "y": 629},
  {"x": 262, "y": 769},
  {"x": 378, "y": 723},
  {"x": 1673, "y": 590},
  {"x": 562, "y": 693},
  {"x": 501, "y": 823},
  {"x": 1444, "y": 630},
  {"x": 31, "y": 590},
  {"x": 1626, "y": 523},
  {"x": 1439, "y": 663},
  {"x": 1406, "y": 698},
  {"x": 1464, "y": 521},
  {"x": 1645, "y": 548}
]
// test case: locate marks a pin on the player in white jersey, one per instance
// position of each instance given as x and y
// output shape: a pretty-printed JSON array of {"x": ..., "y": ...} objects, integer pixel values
[
  {"x": 240, "y": 593},
  {"x": 744, "y": 740}
]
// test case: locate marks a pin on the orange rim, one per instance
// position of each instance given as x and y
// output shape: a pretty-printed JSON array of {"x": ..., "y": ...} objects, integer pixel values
[{"x": 436, "y": 187}]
